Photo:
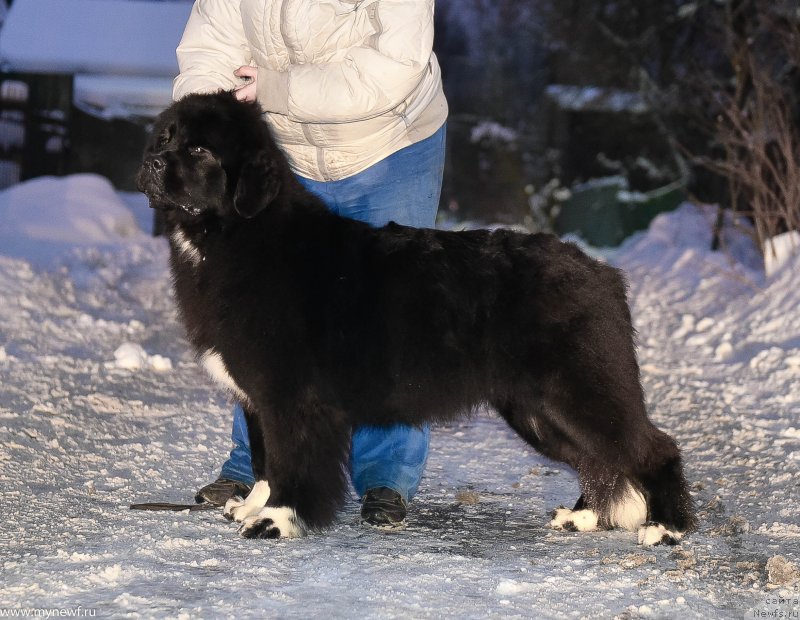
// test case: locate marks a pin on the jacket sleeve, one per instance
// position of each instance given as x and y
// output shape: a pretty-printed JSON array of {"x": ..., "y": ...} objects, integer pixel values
[
  {"x": 212, "y": 47},
  {"x": 371, "y": 79}
]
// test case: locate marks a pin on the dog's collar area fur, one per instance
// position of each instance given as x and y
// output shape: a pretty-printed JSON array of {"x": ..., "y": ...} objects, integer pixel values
[{"x": 185, "y": 246}]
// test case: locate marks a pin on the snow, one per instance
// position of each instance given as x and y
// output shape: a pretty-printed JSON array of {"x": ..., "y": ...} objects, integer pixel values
[
  {"x": 596, "y": 99},
  {"x": 102, "y": 404},
  {"x": 779, "y": 250},
  {"x": 492, "y": 131},
  {"x": 132, "y": 356},
  {"x": 87, "y": 213}
]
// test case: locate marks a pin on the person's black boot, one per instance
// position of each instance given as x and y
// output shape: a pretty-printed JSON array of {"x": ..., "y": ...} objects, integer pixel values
[
  {"x": 383, "y": 507},
  {"x": 221, "y": 490}
]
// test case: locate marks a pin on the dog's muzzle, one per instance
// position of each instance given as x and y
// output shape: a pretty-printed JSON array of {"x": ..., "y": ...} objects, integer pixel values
[{"x": 151, "y": 175}]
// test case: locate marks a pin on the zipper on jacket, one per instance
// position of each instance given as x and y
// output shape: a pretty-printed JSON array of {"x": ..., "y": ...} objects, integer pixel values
[
  {"x": 401, "y": 112},
  {"x": 323, "y": 167}
]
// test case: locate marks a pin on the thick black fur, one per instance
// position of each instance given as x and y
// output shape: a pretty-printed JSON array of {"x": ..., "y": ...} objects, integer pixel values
[{"x": 325, "y": 323}]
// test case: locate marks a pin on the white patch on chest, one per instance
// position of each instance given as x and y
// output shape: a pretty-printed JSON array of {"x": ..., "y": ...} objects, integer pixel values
[
  {"x": 186, "y": 248},
  {"x": 215, "y": 367}
]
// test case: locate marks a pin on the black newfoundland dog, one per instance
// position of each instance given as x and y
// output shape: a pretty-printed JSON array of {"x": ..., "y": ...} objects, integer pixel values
[{"x": 317, "y": 323}]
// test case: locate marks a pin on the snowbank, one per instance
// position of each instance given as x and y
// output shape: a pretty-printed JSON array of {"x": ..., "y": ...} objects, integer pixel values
[{"x": 46, "y": 217}]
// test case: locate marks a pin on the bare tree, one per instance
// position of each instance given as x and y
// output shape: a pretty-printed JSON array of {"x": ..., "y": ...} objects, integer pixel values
[
  {"x": 756, "y": 124},
  {"x": 721, "y": 78}
]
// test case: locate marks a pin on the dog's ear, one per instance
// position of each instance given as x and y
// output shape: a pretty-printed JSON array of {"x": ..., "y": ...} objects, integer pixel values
[{"x": 258, "y": 185}]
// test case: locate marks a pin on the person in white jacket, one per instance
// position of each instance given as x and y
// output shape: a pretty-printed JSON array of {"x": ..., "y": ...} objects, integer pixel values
[{"x": 353, "y": 94}]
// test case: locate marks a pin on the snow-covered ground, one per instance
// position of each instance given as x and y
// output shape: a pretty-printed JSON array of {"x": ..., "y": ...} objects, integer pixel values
[{"x": 102, "y": 405}]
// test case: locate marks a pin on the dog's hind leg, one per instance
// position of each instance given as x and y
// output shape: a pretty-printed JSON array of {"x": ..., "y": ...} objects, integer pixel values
[
  {"x": 531, "y": 422},
  {"x": 608, "y": 500},
  {"x": 644, "y": 490},
  {"x": 671, "y": 509},
  {"x": 630, "y": 476},
  {"x": 630, "y": 472},
  {"x": 638, "y": 486}
]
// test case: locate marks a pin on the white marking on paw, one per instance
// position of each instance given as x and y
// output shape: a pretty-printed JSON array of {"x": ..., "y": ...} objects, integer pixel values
[
  {"x": 215, "y": 367},
  {"x": 186, "y": 248},
  {"x": 238, "y": 509},
  {"x": 630, "y": 512},
  {"x": 656, "y": 534},
  {"x": 580, "y": 520},
  {"x": 282, "y": 517}
]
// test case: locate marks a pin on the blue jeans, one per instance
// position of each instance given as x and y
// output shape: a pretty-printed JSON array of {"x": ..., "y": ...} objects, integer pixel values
[{"x": 405, "y": 188}]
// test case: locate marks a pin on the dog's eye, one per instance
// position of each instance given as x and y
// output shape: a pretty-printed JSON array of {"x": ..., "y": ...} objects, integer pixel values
[
  {"x": 199, "y": 151},
  {"x": 165, "y": 136}
]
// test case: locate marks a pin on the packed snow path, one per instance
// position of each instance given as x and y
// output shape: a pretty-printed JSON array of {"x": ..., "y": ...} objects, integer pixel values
[{"x": 102, "y": 405}]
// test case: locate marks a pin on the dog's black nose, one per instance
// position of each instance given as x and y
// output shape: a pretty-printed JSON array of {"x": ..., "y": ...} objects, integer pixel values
[{"x": 156, "y": 163}]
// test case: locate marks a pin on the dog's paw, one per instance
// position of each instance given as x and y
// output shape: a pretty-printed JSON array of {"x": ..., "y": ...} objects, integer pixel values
[
  {"x": 573, "y": 520},
  {"x": 259, "y": 527},
  {"x": 232, "y": 507},
  {"x": 238, "y": 509},
  {"x": 271, "y": 522},
  {"x": 651, "y": 534}
]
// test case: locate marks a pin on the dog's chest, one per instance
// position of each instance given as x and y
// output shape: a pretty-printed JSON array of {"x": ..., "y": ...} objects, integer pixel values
[
  {"x": 200, "y": 292},
  {"x": 215, "y": 367}
]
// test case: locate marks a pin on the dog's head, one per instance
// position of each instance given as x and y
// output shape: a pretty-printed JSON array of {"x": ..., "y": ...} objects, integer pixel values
[{"x": 211, "y": 156}]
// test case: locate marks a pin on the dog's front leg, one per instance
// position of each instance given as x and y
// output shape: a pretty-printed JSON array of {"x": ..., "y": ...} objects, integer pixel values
[
  {"x": 304, "y": 459},
  {"x": 259, "y": 520},
  {"x": 238, "y": 508}
]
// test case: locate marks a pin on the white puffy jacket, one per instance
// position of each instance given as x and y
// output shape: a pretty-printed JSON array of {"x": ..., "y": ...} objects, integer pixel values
[{"x": 343, "y": 83}]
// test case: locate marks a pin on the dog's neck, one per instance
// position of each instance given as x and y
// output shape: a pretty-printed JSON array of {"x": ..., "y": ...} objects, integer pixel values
[
  {"x": 189, "y": 240},
  {"x": 186, "y": 246}
]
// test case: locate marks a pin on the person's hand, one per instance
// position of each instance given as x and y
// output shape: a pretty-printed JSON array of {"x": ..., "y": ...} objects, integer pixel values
[{"x": 247, "y": 91}]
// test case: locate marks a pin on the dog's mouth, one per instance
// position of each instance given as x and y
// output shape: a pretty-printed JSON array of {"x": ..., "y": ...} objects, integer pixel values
[
  {"x": 163, "y": 202},
  {"x": 151, "y": 185},
  {"x": 193, "y": 211}
]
